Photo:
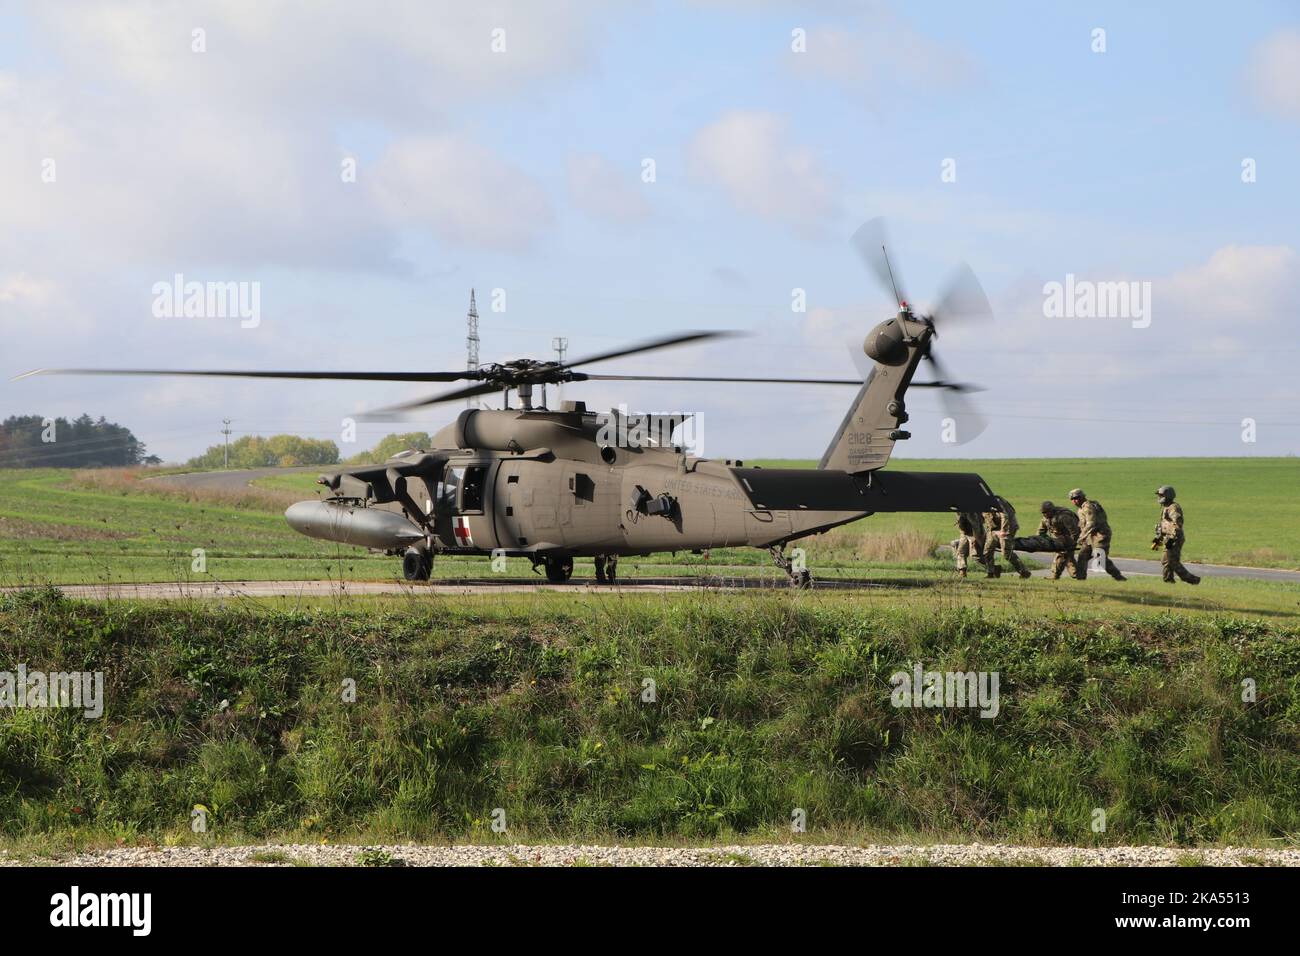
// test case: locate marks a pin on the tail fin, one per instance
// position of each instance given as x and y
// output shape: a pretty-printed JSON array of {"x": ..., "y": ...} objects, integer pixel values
[{"x": 866, "y": 437}]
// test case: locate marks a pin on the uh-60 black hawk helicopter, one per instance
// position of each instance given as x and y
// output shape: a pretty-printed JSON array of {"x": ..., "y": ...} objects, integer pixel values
[{"x": 550, "y": 484}]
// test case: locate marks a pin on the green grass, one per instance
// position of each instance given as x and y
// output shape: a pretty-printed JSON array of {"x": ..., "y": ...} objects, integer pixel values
[
  {"x": 52, "y": 529},
  {"x": 533, "y": 704}
]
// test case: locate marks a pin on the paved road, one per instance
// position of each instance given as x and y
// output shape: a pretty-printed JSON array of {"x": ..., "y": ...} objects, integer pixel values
[
  {"x": 177, "y": 590},
  {"x": 1143, "y": 566},
  {"x": 238, "y": 480}
]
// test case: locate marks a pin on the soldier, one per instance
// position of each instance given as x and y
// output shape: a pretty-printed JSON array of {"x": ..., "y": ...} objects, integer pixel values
[
  {"x": 1169, "y": 532},
  {"x": 1094, "y": 532},
  {"x": 606, "y": 568},
  {"x": 971, "y": 526},
  {"x": 1002, "y": 527},
  {"x": 1057, "y": 532}
]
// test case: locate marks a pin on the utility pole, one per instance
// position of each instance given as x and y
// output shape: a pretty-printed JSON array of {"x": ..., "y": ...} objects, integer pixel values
[
  {"x": 225, "y": 463},
  {"x": 471, "y": 343},
  {"x": 561, "y": 345}
]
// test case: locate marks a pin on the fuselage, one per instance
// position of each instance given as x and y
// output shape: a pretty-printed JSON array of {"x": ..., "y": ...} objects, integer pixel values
[{"x": 545, "y": 483}]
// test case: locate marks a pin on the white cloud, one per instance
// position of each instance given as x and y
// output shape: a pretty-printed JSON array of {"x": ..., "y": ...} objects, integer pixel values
[
  {"x": 387, "y": 59},
  {"x": 1273, "y": 74},
  {"x": 884, "y": 62},
  {"x": 24, "y": 290},
  {"x": 1252, "y": 285},
  {"x": 750, "y": 156},
  {"x": 601, "y": 189},
  {"x": 232, "y": 156},
  {"x": 461, "y": 192}
]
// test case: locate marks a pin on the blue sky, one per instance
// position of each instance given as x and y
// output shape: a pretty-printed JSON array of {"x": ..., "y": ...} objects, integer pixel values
[{"x": 522, "y": 170}]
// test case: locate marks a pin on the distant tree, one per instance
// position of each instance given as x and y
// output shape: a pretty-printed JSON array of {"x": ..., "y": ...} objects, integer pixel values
[
  {"x": 390, "y": 445},
  {"x": 278, "y": 451},
  {"x": 30, "y": 441}
]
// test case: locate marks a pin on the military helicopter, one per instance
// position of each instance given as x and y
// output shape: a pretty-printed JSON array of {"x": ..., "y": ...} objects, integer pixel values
[{"x": 554, "y": 484}]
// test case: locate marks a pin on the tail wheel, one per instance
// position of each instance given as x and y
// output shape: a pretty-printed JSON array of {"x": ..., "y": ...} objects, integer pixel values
[
  {"x": 559, "y": 570},
  {"x": 416, "y": 565}
]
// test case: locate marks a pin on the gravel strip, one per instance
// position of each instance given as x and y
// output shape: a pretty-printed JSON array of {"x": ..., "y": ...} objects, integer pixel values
[{"x": 756, "y": 855}]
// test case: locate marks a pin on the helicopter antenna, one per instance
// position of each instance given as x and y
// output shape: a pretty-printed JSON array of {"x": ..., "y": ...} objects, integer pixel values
[{"x": 897, "y": 298}]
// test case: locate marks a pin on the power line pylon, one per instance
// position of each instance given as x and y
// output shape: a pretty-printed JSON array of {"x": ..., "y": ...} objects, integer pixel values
[{"x": 471, "y": 343}]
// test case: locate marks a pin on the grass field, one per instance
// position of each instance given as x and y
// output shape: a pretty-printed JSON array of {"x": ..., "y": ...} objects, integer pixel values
[
  {"x": 1124, "y": 698},
  {"x": 536, "y": 705},
  {"x": 59, "y": 526}
]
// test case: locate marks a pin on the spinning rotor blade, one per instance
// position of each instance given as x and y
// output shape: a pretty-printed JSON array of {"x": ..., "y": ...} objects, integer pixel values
[
  {"x": 332, "y": 376},
  {"x": 470, "y": 391},
  {"x": 871, "y": 241},
  {"x": 668, "y": 342},
  {"x": 963, "y": 299},
  {"x": 710, "y": 378},
  {"x": 864, "y": 366},
  {"x": 969, "y": 423}
]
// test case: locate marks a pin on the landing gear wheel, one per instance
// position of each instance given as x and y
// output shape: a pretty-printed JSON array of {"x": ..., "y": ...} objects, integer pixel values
[
  {"x": 416, "y": 565},
  {"x": 559, "y": 570},
  {"x": 801, "y": 579},
  {"x": 600, "y": 570}
]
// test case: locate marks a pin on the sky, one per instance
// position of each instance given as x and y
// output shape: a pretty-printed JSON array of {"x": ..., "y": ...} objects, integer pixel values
[{"x": 611, "y": 172}]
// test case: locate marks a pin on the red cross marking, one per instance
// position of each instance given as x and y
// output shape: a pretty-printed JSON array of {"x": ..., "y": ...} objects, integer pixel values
[{"x": 461, "y": 530}]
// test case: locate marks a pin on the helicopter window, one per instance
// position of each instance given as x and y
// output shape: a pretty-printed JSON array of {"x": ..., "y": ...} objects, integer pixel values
[
  {"x": 447, "y": 488},
  {"x": 583, "y": 488},
  {"x": 471, "y": 489}
]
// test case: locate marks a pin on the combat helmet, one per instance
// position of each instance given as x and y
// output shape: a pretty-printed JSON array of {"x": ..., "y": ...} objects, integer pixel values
[
  {"x": 1076, "y": 493},
  {"x": 1047, "y": 507},
  {"x": 1165, "y": 493}
]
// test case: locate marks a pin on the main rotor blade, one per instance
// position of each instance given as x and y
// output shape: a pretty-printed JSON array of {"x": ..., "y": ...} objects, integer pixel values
[
  {"x": 580, "y": 377},
  {"x": 467, "y": 392},
  {"x": 331, "y": 376},
  {"x": 667, "y": 342},
  {"x": 871, "y": 241},
  {"x": 963, "y": 299}
]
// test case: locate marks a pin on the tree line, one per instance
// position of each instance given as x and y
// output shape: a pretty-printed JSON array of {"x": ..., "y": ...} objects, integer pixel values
[{"x": 32, "y": 441}]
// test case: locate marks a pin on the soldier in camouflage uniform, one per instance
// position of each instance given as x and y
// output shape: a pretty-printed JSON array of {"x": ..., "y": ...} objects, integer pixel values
[
  {"x": 1002, "y": 527},
  {"x": 971, "y": 542},
  {"x": 1169, "y": 532},
  {"x": 1057, "y": 532},
  {"x": 1094, "y": 532}
]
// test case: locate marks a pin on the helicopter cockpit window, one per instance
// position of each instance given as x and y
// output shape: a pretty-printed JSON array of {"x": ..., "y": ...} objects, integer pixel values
[
  {"x": 471, "y": 488},
  {"x": 448, "y": 487}
]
